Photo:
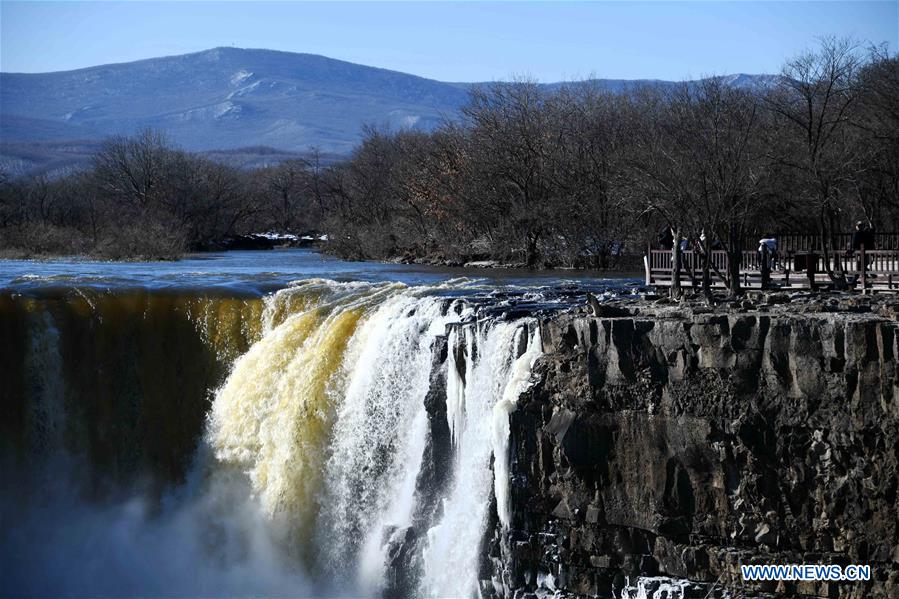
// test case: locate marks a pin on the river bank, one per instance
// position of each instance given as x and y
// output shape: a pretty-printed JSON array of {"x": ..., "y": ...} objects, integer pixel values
[{"x": 625, "y": 264}]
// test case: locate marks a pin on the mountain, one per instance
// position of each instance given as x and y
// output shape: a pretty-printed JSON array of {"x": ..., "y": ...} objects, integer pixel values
[{"x": 224, "y": 99}]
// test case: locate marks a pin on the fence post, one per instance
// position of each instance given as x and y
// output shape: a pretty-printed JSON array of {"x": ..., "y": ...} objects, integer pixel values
[{"x": 647, "y": 264}]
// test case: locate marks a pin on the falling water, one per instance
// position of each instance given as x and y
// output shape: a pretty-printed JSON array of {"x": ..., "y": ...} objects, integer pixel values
[
  {"x": 461, "y": 344},
  {"x": 326, "y": 414},
  {"x": 43, "y": 368},
  {"x": 496, "y": 373},
  {"x": 322, "y": 425},
  {"x": 381, "y": 432}
]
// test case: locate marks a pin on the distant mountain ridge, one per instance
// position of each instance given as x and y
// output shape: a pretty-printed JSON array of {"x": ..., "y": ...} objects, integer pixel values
[{"x": 228, "y": 98}]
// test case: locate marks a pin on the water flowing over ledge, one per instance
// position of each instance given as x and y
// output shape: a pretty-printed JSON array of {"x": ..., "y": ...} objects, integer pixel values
[{"x": 323, "y": 430}]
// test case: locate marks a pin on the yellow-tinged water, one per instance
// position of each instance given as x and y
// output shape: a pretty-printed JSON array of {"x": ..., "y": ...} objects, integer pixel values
[
  {"x": 273, "y": 417},
  {"x": 141, "y": 378},
  {"x": 228, "y": 325}
]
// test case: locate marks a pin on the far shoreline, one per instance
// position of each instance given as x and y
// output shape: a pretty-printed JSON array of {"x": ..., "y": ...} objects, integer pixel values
[{"x": 483, "y": 266}]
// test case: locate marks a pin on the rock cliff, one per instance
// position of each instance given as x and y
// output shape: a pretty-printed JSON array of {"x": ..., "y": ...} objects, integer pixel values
[{"x": 661, "y": 440}]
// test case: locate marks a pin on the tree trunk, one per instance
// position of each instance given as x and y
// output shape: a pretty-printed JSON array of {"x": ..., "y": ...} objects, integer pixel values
[
  {"x": 734, "y": 257},
  {"x": 675, "y": 264},
  {"x": 837, "y": 275},
  {"x": 532, "y": 253},
  {"x": 707, "y": 270}
]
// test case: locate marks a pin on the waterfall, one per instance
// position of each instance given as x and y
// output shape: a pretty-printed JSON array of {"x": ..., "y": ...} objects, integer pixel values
[
  {"x": 460, "y": 348},
  {"x": 326, "y": 415},
  {"x": 273, "y": 416},
  {"x": 519, "y": 379},
  {"x": 380, "y": 433},
  {"x": 312, "y": 452}
]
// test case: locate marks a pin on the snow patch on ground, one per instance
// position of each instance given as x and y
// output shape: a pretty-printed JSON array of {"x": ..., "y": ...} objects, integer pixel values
[
  {"x": 275, "y": 236},
  {"x": 240, "y": 76},
  {"x": 79, "y": 113},
  {"x": 226, "y": 109},
  {"x": 244, "y": 90},
  {"x": 221, "y": 110},
  {"x": 663, "y": 587},
  {"x": 264, "y": 87}
]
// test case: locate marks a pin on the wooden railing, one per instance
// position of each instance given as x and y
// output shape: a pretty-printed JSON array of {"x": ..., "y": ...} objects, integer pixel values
[
  {"x": 788, "y": 243},
  {"x": 874, "y": 269}
]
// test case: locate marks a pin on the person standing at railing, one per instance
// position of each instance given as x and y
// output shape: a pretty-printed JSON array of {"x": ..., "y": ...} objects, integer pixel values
[
  {"x": 768, "y": 252},
  {"x": 863, "y": 238},
  {"x": 666, "y": 239}
]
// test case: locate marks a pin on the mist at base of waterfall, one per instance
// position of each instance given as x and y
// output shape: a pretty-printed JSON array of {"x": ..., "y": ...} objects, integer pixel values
[{"x": 205, "y": 538}]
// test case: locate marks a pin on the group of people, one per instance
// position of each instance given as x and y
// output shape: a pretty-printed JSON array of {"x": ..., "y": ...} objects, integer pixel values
[
  {"x": 666, "y": 241},
  {"x": 862, "y": 237}
]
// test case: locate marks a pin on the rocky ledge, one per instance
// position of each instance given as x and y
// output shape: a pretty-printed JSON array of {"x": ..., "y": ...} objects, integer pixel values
[{"x": 682, "y": 440}]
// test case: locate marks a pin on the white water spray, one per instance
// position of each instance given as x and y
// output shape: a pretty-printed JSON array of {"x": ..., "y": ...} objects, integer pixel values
[
  {"x": 493, "y": 374},
  {"x": 380, "y": 433}
]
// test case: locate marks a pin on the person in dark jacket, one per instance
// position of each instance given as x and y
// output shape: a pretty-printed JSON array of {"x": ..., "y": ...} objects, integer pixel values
[
  {"x": 666, "y": 239},
  {"x": 863, "y": 235}
]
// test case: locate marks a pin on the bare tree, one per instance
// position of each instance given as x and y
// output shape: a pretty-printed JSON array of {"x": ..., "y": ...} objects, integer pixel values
[
  {"x": 714, "y": 132},
  {"x": 513, "y": 140},
  {"x": 287, "y": 183},
  {"x": 133, "y": 170},
  {"x": 657, "y": 171},
  {"x": 812, "y": 134},
  {"x": 876, "y": 119}
]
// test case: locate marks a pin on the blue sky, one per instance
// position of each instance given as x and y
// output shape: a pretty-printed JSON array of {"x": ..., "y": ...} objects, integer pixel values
[{"x": 455, "y": 41}]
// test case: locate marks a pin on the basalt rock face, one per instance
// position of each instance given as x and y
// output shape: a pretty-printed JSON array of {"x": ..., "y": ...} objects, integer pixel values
[{"x": 685, "y": 444}]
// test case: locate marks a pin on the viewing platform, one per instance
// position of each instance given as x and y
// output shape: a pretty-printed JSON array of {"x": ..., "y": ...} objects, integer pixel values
[{"x": 792, "y": 267}]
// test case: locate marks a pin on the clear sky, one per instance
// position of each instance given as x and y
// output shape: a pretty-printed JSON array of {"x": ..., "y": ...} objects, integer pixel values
[{"x": 450, "y": 41}]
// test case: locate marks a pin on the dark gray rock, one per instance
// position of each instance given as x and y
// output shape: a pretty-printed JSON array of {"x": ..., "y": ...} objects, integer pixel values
[{"x": 686, "y": 444}]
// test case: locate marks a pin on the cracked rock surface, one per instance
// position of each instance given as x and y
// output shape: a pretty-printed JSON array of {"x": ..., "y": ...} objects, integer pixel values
[{"x": 669, "y": 440}]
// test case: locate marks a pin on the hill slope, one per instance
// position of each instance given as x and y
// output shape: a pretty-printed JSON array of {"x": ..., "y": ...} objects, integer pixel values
[{"x": 223, "y": 99}]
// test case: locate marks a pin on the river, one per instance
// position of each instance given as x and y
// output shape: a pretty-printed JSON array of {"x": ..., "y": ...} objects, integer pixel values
[{"x": 265, "y": 271}]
